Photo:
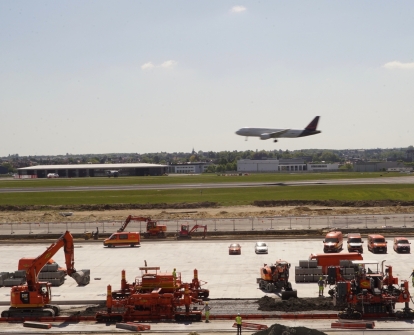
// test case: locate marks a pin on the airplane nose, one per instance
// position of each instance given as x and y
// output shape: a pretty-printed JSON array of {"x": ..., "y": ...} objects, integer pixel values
[{"x": 238, "y": 132}]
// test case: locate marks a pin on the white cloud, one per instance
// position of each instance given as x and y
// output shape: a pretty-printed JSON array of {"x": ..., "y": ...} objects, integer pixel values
[
  {"x": 238, "y": 9},
  {"x": 169, "y": 64},
  {"x": 147, "y": 66},
  {"x": 399, "y": 65}
]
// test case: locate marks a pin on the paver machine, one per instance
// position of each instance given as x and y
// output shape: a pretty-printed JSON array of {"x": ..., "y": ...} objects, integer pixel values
[
  {"x": 151, "y": 278},
  {"x": 372, "y": 294},
  {"x": 33, "y": 299},
  {"x": 275, "y": 278},
  {"x": 154, "y": 296}
]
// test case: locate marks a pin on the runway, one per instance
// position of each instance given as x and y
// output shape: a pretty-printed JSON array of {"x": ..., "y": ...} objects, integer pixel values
[{"x": 355, "y": 181}]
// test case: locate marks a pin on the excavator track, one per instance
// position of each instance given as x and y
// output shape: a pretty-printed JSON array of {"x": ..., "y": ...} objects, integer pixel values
[{"x": 28, "y": 313}]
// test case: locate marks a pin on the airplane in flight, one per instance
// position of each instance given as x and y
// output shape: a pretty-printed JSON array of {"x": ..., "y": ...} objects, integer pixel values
[{"x": 266, "y": 133}]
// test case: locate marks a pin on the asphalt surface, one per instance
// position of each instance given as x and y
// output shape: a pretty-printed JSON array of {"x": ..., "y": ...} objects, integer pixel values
[{"x": 357, "y": 181}]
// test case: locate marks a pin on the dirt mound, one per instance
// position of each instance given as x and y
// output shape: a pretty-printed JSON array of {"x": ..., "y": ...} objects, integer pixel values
[
  {"x": 278, "y": 329},
  {"x": 333, "y": 203},
  {"x": 296, "y": 304},
  {"x": 184, "y": 205}
]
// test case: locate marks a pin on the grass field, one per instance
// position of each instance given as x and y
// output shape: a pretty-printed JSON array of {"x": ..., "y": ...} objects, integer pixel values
[
  {"x": 225, "y": 197},
  {"x": 191, "y": 179}
]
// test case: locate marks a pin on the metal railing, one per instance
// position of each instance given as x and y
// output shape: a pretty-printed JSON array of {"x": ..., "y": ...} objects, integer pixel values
[{"x": 272, "y": 223}]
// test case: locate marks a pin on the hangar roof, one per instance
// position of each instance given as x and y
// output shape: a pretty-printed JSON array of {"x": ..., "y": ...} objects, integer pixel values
[{"x": 93, "y": 166}]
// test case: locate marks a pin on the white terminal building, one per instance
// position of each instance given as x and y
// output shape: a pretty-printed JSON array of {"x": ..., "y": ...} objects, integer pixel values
[
  {"x": 188, "y": 168},
  {"x": 283, "y": 165}
]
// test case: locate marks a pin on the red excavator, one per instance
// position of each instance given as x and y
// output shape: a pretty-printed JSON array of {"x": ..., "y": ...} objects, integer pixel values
[
  {"x": 32, "y": 299},
  {"x": 185, "y": 231},
  {"x": 275, "y": 277},
  {"x": 153, "y": 228}
]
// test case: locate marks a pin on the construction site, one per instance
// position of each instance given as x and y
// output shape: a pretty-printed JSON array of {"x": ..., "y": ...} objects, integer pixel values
[{"x": 147, "y": 282}]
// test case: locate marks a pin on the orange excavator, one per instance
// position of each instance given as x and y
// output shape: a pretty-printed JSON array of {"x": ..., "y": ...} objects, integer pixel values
[
  {"x": 275, "y": 277},
  {"x": 185, "y": 231},
  {"x": 33, "y": 299},
  {"x": 153, "y": 228}
]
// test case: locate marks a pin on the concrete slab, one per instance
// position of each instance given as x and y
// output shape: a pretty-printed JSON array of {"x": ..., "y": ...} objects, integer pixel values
[{"x": 227, "y": 276}]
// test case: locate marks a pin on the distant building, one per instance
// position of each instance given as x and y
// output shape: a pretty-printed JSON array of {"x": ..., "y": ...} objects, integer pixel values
[
  {"x": 363, "y": 166},
  {"x": 189, "y": 168},
  {"x": 95, "y": 170},
  {"x": 282, "y": 165}
]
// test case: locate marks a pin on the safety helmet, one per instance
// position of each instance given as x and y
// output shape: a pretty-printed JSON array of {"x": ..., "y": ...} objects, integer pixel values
[
  {"x": 206, "y": 303},
  {"x": 238, "y": 313}
]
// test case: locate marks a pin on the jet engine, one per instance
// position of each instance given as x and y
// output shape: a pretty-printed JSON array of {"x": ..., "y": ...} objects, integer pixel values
[{"x": 264, "y": 136}]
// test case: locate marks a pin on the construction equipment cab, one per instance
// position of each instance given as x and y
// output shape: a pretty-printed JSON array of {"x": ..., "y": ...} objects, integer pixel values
[
  {"x": 124, "y": 238},
  {"x": 333, "y": 242},
  {"x": 155, "y": 230}
]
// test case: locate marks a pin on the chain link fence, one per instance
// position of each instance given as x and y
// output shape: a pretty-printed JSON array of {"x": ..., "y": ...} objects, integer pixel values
[{"x": 221, "y": 224}]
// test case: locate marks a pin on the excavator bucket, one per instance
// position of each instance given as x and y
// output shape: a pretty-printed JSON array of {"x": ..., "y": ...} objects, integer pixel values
[
  {"x": 82, "y": 277},
  {"x": 289, "y": 294}
]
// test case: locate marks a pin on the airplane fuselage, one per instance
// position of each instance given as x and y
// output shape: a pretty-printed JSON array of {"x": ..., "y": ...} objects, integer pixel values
[
  {"x": 291, "y": 133},
  {"x": 273, "y": 133}
]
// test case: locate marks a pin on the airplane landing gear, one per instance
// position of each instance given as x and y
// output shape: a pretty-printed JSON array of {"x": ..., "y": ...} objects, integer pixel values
[{"x": 275, "y": 141}]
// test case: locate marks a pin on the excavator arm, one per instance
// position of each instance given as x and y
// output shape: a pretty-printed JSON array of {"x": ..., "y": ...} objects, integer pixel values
[
  {"x": 196, "y": 227},
  {"x": 132, "y": 218},
  {"x": 65, "y": 241}
]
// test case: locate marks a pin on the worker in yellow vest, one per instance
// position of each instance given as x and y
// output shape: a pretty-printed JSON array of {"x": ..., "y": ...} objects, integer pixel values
[
  {"x": 239, "y": 323},
  {"x": 207, "y": 309},
  {"x": 174, "y": 274}
]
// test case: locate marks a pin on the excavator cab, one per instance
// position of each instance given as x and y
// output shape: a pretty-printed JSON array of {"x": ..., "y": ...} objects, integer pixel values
[
  {"x": 94, "y": 234},
  {"x": 185, "y": 228}
]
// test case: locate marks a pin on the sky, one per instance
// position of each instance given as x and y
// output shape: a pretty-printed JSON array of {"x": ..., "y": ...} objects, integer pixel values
[{"x": 135, "y": 76}]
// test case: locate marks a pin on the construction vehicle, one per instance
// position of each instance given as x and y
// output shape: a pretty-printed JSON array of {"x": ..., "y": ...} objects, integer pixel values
[
  {"x": 126, "y": 238},
  {"x": 153, "y": 229},
  {"x": 94, "y": 235},
  {"x": 275, "y": 278},
  {"x": 371, "y": 293},
  {"x": 152, "y": 279},
  {"x": 154, "y": 296},
  {"x": 33, "y": 299},
  {"x": 186, "y": 233},
  {"x": 150, "y": 306},
  {"x": 326, "y": 260}
]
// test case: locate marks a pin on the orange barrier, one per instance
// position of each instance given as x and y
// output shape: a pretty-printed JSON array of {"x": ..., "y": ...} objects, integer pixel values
[
  {"x": 249, "y": 325},
  {"x": 353, "y": 325}
]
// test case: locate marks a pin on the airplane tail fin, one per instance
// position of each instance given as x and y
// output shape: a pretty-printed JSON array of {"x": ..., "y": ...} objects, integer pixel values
[{"x": 312, "y": 126}]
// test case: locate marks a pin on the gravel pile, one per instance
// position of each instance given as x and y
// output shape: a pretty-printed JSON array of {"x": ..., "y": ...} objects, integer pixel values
[{"x": 296, "y": 304}]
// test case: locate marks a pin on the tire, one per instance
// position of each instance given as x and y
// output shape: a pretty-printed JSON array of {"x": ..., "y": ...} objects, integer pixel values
[{"x": 132, "y": 245}]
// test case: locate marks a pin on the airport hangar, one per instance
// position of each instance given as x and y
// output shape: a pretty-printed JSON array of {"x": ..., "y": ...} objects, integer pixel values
[{"x": 93, "y": 170}]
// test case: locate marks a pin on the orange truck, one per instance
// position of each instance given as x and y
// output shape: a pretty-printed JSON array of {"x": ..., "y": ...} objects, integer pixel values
[{"x": 326, "y": 260}]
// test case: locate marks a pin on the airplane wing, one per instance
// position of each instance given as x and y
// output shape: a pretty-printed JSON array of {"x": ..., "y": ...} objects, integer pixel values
[{"x": 278, "y": 133}]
